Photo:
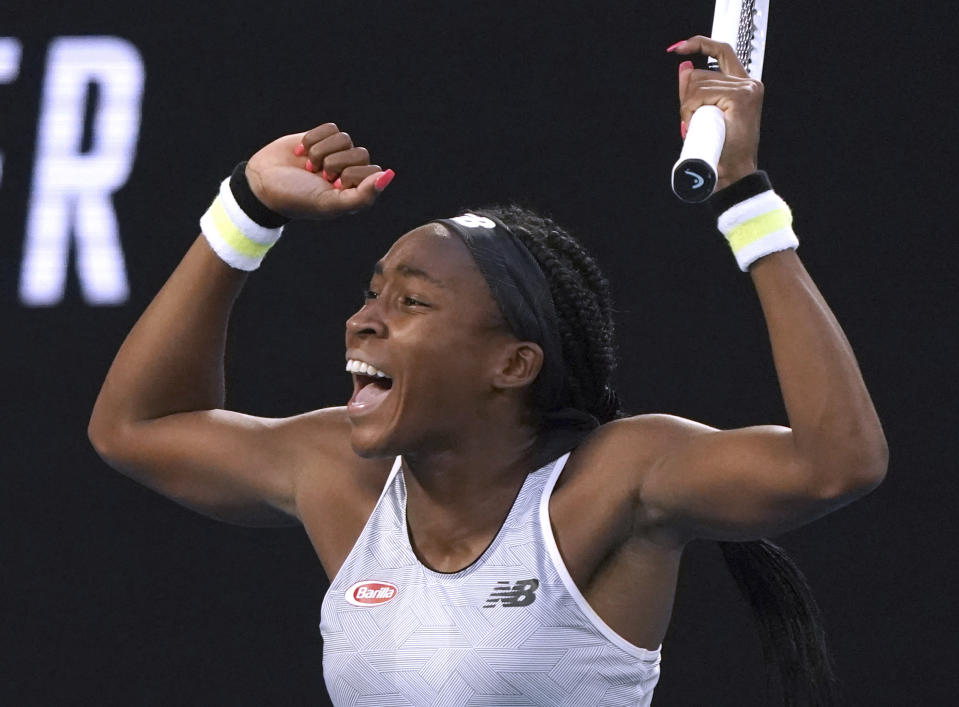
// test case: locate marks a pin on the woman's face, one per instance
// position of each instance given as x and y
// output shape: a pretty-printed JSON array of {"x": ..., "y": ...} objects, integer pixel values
[{"x": 431, "y": 326}]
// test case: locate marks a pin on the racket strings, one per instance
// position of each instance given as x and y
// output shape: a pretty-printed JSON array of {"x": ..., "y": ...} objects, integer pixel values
[{"x": 746, "y": 33}]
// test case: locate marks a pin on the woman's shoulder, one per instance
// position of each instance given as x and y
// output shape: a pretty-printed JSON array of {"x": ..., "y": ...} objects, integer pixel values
[
  {"x": 635, "y": 440},
  {"x": 605, "y": 474},
  {"x": 620, "y": 452}
]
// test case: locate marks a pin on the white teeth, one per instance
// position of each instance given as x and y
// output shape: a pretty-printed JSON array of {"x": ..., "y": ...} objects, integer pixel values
[{"x": 365, "y": 369}]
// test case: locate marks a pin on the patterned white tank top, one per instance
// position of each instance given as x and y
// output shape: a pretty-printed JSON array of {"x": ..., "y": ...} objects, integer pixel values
[{"x": 510, "y": 629}]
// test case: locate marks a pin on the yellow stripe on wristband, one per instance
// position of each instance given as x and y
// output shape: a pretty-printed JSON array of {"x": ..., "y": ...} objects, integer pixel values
[
  {"x": 233, "y": 236},
  {"x": 755, "y": 228}
]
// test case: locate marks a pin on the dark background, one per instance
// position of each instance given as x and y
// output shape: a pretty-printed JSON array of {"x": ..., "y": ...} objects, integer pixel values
[{"x": 116, "y": 596}]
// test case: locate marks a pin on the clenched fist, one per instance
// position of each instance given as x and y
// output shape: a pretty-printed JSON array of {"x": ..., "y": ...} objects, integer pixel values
[{"x": 318, "y": 174}]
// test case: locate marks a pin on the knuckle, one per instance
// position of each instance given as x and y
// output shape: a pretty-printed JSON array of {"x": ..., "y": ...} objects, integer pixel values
[
  {"x": 320, "y": 132},
  {"x": 753, "y": 89},
  {"x": 363, "y": 154},
  {"x": 346, "y": 139}
]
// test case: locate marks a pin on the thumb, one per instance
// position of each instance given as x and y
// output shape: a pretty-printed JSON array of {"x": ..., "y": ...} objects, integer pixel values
[{"x": 362, "y": 195}]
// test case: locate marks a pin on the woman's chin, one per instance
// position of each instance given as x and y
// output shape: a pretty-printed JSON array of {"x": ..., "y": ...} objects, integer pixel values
[{"x": 370, "y": 446}]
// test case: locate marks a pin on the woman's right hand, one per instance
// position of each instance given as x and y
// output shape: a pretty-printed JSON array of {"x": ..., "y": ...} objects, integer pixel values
[{"x": 318, "y": 174}]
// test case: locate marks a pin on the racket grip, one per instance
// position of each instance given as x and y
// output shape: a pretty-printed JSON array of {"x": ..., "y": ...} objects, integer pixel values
[{"x": 694, "y": 174}]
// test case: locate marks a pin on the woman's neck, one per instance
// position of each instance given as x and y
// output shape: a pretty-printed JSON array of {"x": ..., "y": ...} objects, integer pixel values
[
  {"x": 471, "y": 466},
  {"x": 458, "y": 498}
]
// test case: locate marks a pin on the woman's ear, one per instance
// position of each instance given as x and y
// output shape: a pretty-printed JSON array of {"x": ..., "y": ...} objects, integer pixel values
[{"x": 520, "y": 364}]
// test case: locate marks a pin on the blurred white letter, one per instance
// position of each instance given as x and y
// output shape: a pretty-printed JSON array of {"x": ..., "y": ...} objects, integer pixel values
[{"x": 71, "y": 193}]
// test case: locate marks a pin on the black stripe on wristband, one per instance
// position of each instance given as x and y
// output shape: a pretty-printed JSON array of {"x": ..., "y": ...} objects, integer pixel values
[
  {"x": 253, "y": 207},
  {"x": 745, "y": 188}
]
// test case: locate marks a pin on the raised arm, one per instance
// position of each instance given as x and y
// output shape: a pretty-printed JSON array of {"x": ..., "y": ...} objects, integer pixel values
[
  {"x": 159, "y": 415},
  {"x": 748, "y": 483}
]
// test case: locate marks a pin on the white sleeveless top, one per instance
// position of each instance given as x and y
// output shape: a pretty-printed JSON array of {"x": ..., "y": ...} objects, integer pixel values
[{"x": 510, "y": 629}]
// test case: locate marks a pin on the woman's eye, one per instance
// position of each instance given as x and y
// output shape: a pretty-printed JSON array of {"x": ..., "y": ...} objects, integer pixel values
[{"x": 406, "y": 300}]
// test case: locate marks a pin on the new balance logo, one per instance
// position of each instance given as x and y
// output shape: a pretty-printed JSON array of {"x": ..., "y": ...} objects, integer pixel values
[{"x": 523, "y": 593}]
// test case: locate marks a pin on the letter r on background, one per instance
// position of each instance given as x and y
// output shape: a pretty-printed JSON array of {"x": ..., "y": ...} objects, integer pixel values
[{"x": 72, "y": 190}]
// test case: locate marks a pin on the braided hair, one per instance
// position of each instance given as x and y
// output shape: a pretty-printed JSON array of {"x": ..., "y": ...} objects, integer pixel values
[
  {"x": 583, "y": 304},
  {"x": 786, "y": 615}
]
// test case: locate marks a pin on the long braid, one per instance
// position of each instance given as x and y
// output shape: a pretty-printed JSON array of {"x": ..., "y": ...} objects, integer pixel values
[{"x": 785, "y": 611}]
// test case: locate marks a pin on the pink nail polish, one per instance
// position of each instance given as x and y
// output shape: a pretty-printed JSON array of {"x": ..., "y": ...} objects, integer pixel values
[
  {"x": 326, "y": 176},
  {"x": 685, "y": 66},
  {"x": 299, "y": 150},
  {"x": 338, "y": 184},
  {"x": 309, "y": 166},
  {"x": 677, "y": 45},
  {"x": 384, "y": 180},
  {"x": 682, "y": 128}
]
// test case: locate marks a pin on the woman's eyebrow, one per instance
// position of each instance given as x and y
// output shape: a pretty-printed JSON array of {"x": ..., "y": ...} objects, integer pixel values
[{"x": 409, "y": 271}]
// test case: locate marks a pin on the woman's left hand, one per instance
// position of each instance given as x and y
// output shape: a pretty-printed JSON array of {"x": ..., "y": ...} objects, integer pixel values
[{"x": 732, "y": 91}]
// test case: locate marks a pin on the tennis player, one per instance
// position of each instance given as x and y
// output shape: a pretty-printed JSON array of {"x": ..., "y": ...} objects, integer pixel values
[{"x": 495, "y": 530}]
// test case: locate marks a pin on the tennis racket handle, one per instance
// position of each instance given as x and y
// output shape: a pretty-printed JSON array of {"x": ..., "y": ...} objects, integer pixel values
[{"x": 694, "y": 174}]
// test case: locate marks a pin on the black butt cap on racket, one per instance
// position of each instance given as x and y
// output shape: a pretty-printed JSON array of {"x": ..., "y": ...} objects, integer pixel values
[{"x": 694, "y": 180}]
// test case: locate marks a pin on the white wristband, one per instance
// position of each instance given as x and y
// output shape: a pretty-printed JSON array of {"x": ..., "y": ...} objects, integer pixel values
[
  {"x": 239, "y": 241},
  {"x": 758, "y": 226}
]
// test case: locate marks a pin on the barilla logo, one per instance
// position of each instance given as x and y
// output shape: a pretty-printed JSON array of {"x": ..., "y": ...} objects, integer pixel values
[{"x": 370, "y": 593}]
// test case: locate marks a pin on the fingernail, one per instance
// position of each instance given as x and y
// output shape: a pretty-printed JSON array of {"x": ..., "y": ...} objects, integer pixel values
[
  {"x": 326, "y": 176},
  {"x": 338, "y": 184},
  {"x": 309, "y": 166},
  {"x": 685, "y": 66},
  {"x": 677, "y": 45},
  {"x": 299, "y": 149},
  {"x": 682, "y": 128},
  {"x": 384, "y": 180}
]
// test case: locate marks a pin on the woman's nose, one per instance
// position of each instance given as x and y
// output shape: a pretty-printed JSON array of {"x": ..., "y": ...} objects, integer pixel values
[{"x": 366, "y": 322}]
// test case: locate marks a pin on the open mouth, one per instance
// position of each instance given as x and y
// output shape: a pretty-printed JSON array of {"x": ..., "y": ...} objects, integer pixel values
[{"x": 370, "y": 386}]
